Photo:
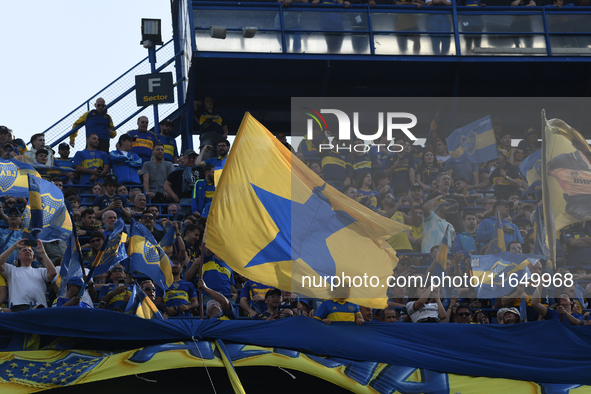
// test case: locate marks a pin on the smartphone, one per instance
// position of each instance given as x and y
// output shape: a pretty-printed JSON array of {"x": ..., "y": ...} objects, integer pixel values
[
  {"x": 121, "y": 282},
  {"x": 30, "y": 243}
]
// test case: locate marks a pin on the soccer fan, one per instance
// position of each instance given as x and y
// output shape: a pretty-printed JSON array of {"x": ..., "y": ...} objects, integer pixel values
[
  {"x": 465, "y": 241},
  {"x": 218, "y": 307},
  {"x": 252, "y": 297},
  {"x": 115, "y": 295},
  {"x": 169, "y": 144},
  {"x": 563, "y": 311},
  {"x": 338, "y": 310},
  {"x": 180, "y": 298},
  {"x": 125, "y": 163},
  {"x": 273, "y": 299},
  {"x": 145, "y": 140},
  {"x": 487, "y": 227},
  {"x": 38, "y": 142},
  {"x": 179, "y": 184},
  {"x": 456, "y": 202},
  {"x": 97, "y": 122},
  {"x": 203, "y": 191},
  {"x": 155, "y": 172},
  {"x": 388, "y": 315},
  {"x": 434, "y": 224},
  {"x": 71, "y": 298},
  {"x": 91, "y": 163},
  {"x": 427, "y": 308}
]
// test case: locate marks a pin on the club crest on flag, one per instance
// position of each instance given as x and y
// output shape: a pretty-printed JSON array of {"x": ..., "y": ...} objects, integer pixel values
[
  {"x": 499, "y": 268},
  {"x": 150, "y": 253},
  {"x": 468, "y": 142},
  {"x": 8, "y": 175}
]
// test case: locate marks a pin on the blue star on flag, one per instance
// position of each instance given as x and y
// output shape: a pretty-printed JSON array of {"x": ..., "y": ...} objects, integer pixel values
[{"x": 305, "y": 236}]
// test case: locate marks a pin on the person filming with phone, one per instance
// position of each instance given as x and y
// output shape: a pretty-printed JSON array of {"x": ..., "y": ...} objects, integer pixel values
[
  {"x": 27, "y": 284},
  {"x": 111, "y": 201},
  {"x": 115, "y": 295}
]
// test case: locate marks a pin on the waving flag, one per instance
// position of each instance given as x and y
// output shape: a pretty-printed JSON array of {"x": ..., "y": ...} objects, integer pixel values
[
  {"x": 166, "y": 243},
  {"x": 474, "y": 142},
  {"x": 495, "y": 272},
  {"x": 147, "y": 256},
  {"x": 71, "y": 265},
  {"x": 531, "y": 167},
  {"x": 276, "y": 222},
  {"x": 13, "y": 178},
  {"x": 497, "y": 244},
  {"x": 112, "y": 246},
  {"x": 46, "y": 218},
  {"x": 140, "y": 305}
]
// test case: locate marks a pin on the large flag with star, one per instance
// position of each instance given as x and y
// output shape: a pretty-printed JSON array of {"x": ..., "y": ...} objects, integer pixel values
[
  {"x": 46, "y": 217},
  {"x": 13, "y": 178},
  {"x": 499, "y": 274},
  {"x": 474, "y": 142},
  {"x": 276, "y": 222}
]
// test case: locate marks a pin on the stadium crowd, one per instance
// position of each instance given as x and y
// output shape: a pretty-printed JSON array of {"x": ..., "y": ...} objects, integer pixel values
[{"x": 146, "y": 179}]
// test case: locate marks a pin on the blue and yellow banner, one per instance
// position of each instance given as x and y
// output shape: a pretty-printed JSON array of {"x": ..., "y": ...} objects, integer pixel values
[
  {"x": 166, "y": 243},
  {"x": 500, "y": 273},
  {"x": 147, "y": 256},
  {"x": 497, "y": 243},
  {"x": 141, "y": 306},
  {"x": 276, "y": 222},
  {"x": 13, "y": 178},
  {"x": 46, "y": 218},
  {"x": 474, "y": 142},
  {"x": 32, "y": 371},
  {"x": 114, "y": 243},
  {"x": 71, "y": 265}
]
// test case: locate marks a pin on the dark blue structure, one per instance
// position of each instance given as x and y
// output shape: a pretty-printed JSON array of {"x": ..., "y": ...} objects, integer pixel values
[{"x": 384, "y": 51}]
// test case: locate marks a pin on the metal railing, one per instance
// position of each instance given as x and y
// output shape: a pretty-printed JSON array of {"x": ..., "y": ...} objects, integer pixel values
[{"x": 121, "y": 102}]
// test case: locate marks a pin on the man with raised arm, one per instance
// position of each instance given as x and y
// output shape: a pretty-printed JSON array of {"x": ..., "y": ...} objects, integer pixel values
[{"x": 27, "y": 284}]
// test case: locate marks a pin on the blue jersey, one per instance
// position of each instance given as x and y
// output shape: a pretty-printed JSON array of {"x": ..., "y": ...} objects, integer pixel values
[
  {"x": 217, "y": 162},
  {"x": 218, "y": 276},
  {"x": 170, "y": 150},
  {"x": 91, "y": 159},
  {"x": 252, "y": 289},
  {"x": 118, "y": 301},
  {"x": 551, "y": 314},
  {"x": 103, "y": 201},
  {"x": 144, "y": 144},
  {"x": 63, "y": 163},
  {"x": 337, "y": 311},
  {"x": 179, "y": 293},
  {"x": 60, "y": 301}
]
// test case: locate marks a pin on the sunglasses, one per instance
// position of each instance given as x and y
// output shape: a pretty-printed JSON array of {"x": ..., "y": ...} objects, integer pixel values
[
  {"x": 117, "y": 270},
  {"x": 148, "y": 289},
  {"x": 405, "y": 264},
  {"x": 14, "y": 215},
  {"x": 464, "y": 314},
  {"x": 148, "y": 218},
  {"x": 95, "y": 240}
]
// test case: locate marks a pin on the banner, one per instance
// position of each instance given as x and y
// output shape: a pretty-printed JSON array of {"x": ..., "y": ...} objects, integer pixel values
[{"x": 474, "y": 142}]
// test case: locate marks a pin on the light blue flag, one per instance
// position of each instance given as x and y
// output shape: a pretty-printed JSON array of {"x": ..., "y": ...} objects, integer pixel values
[
  {"x": 531, "y": 167},
  {"x": 13, "y": 178},
  {"x": 475, "y": 142},
  {"x": 168, "y": 240},
  {"x": 148, "y": 257},
  {"x": 112, "y": 255},
  {"x": 498, "y": 272},
  {"x": 57, "y": 224}
]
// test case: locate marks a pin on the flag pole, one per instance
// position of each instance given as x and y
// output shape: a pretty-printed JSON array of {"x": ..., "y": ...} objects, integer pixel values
[
  {"x": 201, "y": 271},
  {"x": 95, "y": 264},
  {"x": 549, "y": 224}
]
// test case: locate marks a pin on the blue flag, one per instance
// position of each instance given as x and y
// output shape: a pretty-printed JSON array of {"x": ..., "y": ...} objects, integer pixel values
[
  {"x": 46, "y": 218},
  {"x": 140, "y": 305},
  {"x": 475, "y": 142},
  {"x": 498, "y": 272},
  {"x": 148, "y": 257},
  {"x": 497, "y": 244},
  {"x": 168, "y": 240},
  {"x": 71, "y": 266},
  {"x": 531, "y": 167},
  {"x": 13, "y": 178},
  {"x": 112, "y": 255},
  {"x": 540, "y": 245}
]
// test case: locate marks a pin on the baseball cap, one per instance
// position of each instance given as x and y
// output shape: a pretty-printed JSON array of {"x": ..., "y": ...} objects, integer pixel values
[
  {"x": 76, "y": 281},
  {"x": 500, "y": 202},
  {"x": 41, "y": 151},
  {"x": 189, "y": 152},
  {"x": 111, "y": 179},
  {"x": 8, "y": 144},
  {"x": 167, "y": 122},
  {"x": 439, "y": 204},
  {"x": 530, "y": 131},
  {"x": 271, "y": 292},
  {"x": 514, "y": 310},
  {"x": 126, "y": 137},
  {"x": 416, "y": 186},
  {"x": 63, "y": 145},
  {"x": 4, "y": 129},
  {"x": 14, "y": 210}
]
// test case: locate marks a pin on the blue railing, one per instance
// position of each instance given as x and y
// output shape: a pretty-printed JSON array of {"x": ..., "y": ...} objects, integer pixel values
[
  {"x": 395, "y": 30},
  {"x": 120, "y": 99}
]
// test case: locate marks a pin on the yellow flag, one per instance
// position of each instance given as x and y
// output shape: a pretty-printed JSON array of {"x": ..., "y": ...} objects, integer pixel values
[{"x": 276, "y": 222}]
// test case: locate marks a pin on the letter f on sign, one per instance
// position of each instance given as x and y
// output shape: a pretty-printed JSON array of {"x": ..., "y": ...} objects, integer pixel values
[{"x": 152, "y": 83}]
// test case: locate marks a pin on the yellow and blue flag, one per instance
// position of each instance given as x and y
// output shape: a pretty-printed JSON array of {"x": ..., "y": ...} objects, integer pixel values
[
  {"x": 531, "y": 167},
  {"x": 497, "y": 243},
  {"x": 13, "y": 178},
  {"x": 167, "y": 242},
  {"x": 474, "y": 142},
  {"x": 540, "y": 245},
  {"x": 441, "y": 262},
  {"x": 232, "y": 375},
  {"x": 148, "y": 257},
  {"x": 140, "y": 305},
  {"x": 114, "y": 249},
  {"x": 497, "y": 272},
  {"x": 276, "y": 222},
  {"x": 46, "y": 217}
]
